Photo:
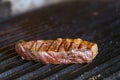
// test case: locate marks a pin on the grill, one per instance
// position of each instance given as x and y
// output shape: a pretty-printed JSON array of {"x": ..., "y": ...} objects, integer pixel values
[{"x": 97, "y": 21}]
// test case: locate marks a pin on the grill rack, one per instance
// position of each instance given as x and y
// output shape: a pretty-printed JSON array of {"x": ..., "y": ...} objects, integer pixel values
[{"x": 71, "y": 19}]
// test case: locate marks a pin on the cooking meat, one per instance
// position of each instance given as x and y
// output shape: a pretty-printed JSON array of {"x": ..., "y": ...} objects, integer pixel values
[{"x": 59, "y": 51}]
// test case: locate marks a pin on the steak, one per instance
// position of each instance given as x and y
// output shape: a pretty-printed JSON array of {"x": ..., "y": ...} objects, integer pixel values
[{"x": 59, "y": 51}]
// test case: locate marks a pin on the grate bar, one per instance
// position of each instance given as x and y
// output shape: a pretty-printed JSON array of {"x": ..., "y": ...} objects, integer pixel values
[
  {"x": 60, "y": 74},
  {"x": 114, "y": 69},
  {"x": 5, "y": 51},
  {"x": 25, "y": 71},
  {"x": 98, "y": 69},
  {"x": 110, "y": 70},
  {"x": 9, "y": 60},
  {"x": 49, "y": 72},
  {"x": 12, "y": 30},
  {"x": 11, "y": 65},
  {"x": 115, "y": 76},
  {"x": 40, "y": 70},
  {"x": 18, "y": 68},
  {"x": 9, "y": 55},
  {"x": 18, "y": 32},
  {"x": 20, "y": 25}
]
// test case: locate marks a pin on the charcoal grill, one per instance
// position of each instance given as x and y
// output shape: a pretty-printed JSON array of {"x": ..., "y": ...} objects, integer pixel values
[{"x": 97, "y": 21}]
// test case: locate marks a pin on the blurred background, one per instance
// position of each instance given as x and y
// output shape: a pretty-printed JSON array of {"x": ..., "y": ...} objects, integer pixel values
[{"x": 15, "y": 7}]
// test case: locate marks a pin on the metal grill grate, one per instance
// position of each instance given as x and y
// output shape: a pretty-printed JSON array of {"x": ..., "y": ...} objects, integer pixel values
[{"x": 97, "y": 21}]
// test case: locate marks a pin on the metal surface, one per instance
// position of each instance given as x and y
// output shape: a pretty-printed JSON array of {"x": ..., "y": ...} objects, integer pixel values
[{"x": 97, "y": 21}]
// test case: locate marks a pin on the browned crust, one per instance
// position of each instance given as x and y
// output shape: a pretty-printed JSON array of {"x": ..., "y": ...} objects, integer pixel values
[
  {"x": 55, "y": 45},
  {"x": 94, "y": 49}
]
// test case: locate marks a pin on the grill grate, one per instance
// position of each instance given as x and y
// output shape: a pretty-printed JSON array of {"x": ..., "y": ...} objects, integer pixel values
[{"x": 96, "y": 21}]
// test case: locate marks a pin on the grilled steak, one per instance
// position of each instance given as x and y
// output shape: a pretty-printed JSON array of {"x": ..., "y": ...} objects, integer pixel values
[{"x": 58, "y": 51}]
